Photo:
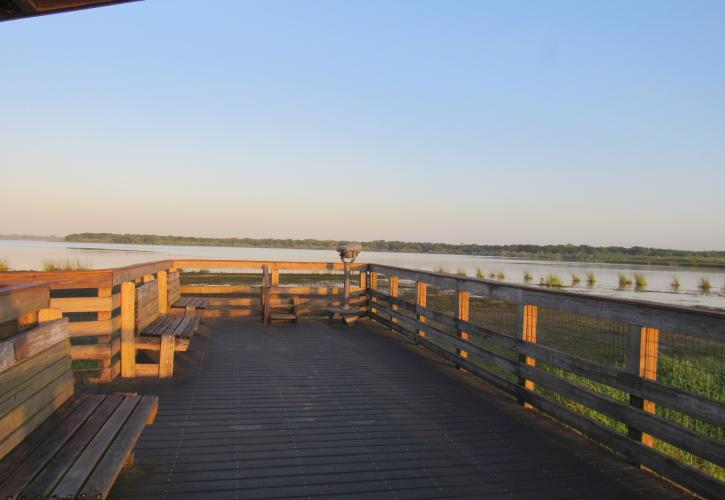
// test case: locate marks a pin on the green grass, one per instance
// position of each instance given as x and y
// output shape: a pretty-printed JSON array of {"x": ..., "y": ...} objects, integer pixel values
[
  {"x": 675, "y": 283},
  {"x": 704, "y": 284},
  {"x": 4, "y": 266},
  {"x": 575, "y": 279},
  {"x": 528, "y": 276},
  {"x": 591, "y": 279},
  {"x": 624, "y": 281},
  {"x": 554, "y": 281},
  {"x": 64, "y": 265},
  {"x": 479, "y": 273},
  {"x": 461, "y": 272},
  {"x": 640, "y": 280}
]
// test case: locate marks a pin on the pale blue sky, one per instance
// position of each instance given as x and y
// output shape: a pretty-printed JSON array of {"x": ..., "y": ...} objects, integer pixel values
[{"x": 506, "y": 122}]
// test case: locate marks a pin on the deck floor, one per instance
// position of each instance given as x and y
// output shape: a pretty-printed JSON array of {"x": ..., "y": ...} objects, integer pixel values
[{"x": 316, "y": 409}]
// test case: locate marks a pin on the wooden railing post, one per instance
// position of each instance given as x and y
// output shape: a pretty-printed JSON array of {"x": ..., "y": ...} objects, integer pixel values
[
  {"x": 363, "y": 279},
  {"x": 394, "y": 285},
  {"x": 373, "y": 286},
  {"x": 421, "y": 300},
  {"x": 527, "y": 319},
  {"x": 463, "y": 313},
  {"x": 643, "y": 351},
  {"x": 275, "y": 277},
  {"x": 128, "y": 329},
  {"x": 163, "y": 279}
]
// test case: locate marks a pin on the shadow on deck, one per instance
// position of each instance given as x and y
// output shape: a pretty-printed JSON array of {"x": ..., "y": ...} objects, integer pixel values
[{"x": 318, "y": 409}]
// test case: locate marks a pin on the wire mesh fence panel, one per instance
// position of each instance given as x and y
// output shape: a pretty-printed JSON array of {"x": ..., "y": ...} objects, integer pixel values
[
  {"x": 318, "y": 279},
  {"x": 493, "y": 314},
  {"x": 383, "y": 283},
  {"x": 251, "y": 276},
  {"x": 599, "y": 340},
  {"x": 407, "y": 290}
]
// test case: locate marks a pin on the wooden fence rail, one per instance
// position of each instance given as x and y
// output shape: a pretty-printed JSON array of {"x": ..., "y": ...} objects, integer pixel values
[{"x": 567, "y": 386}]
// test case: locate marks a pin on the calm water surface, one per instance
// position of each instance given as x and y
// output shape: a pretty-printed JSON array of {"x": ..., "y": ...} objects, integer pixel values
[{"x": 27, "y": 255}]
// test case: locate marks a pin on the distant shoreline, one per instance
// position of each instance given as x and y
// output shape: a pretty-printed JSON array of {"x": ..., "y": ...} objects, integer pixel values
[{"x": 562, "y": 253}]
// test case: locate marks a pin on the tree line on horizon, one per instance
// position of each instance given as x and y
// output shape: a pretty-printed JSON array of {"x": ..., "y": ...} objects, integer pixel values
[{"x": 564, "y": 252}]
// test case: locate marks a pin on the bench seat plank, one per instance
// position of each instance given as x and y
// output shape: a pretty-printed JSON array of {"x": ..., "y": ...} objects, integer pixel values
[
  {"x": 72, "y": 483},
  {"x": 196, "y": 302},
  {"x": 183, "y": 327},
  {"x": 26, "y": 452},
  {"x": 54, "y": 470}
]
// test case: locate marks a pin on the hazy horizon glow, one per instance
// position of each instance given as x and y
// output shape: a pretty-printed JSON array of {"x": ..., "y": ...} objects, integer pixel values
[{"x": 465, "y": 122}]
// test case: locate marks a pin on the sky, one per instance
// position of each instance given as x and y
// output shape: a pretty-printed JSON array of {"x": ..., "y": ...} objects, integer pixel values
[{"x": 600, "y": 123}]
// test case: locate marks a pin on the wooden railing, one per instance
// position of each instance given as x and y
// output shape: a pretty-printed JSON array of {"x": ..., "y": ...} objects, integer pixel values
[
  {"x": 91, "y": 300},
  {"x": 234, "y": 287},
  {"x": 532, "y": 343}
]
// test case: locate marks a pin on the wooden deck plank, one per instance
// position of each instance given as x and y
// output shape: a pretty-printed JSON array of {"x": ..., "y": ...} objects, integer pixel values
[{"x": 320, "y": 409}]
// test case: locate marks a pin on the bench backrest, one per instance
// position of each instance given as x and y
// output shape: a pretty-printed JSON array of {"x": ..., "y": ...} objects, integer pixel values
[
  {"x": 147, "y": 304},
  {"x": 174, "y": 287},
  {"x": 35, "y": 379}
]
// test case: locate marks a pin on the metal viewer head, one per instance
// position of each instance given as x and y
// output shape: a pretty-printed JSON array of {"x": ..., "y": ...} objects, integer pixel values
[{"x": 349, "y": 251}]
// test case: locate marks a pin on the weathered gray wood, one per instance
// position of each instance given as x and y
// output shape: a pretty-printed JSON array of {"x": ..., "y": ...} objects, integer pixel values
[
  {"x": 73, "y": 481},
  {"x": 660, "y": 428},
  {"x": 708, "y": 324},
  {"x": 635, "y": 451},
  {"x": 106, "y": 472},
  {"x": 77, "y": 432},
  {"x": 694, "y": 405}
]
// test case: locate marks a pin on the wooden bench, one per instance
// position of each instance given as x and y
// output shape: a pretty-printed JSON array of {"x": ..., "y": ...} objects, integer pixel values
[
  {"x": 145, "y": 328},
  {"x": 54, "y": 443},
  {"x": 188, "y": 304}
]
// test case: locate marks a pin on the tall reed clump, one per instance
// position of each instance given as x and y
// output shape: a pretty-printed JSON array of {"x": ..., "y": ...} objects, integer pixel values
[
  {"x": 479, "y": 273},
  {"x": 4, "y": 266},
  {"x": 640, "y": 280},
  {"x": 554, "y": 281},
  {"x": 575, "y": 279},
  {"x": 528, "y": 276},
  {"x": 624, "y": 280},
  {"x": 64, "y": 265},
  {"x": 500, "y": 275},
  {"x": 440, "y": 269},
  {"x": 591, "y": 279},
  {"x": 675, "y": 283},
  {"x": 461, "y": 272},
  {"x": 704, "y": 284}
]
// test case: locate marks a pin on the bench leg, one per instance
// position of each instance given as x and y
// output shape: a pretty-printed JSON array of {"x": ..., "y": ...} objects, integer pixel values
[
  {"x": 166, "y": 355},
  {"x": 190, "y": 310},
  {"x": 129, "y": 460}
]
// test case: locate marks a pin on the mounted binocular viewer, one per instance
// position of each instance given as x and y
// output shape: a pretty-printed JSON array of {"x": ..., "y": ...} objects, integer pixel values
[{"x": 349, "y": 251}]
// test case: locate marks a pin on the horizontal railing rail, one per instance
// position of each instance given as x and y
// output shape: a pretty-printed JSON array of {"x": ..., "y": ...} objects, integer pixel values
[{"x": 500, "y": 333}]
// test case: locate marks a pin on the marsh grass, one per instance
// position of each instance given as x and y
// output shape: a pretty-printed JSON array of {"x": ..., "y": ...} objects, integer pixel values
[
  {"x": 624, "y": 281},
  {"x": 461, "y": 272},
  {"x": 479, "y": 273},
  {"x": 440, "y": 269},
  {"x": 500, "y": 275},
  {"x": 675, "y": 283},
  {"x": 4, "y": 266},
  {"x": 575, "y": 279},
  {"x": 64, "y": 265},
  {"x": 554, "y": 281},
  {"x": 591, "y": 279},
  {"x": 528, "y": 276},
  {"x": 640, "y": 280},
  {"x": 492, "y": 275},
  {"x": 704, "y": 284}
]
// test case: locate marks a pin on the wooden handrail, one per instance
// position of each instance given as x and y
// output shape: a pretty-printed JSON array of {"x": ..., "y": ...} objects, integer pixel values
[{"x": 638, "y": 379}]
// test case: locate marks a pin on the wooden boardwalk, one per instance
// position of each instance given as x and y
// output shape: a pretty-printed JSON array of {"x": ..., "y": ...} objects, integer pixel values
[{"x": 316, "y": 409}]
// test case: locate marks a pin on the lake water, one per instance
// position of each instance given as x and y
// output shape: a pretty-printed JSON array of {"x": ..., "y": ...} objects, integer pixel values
[{"x": 27, "y": 255}]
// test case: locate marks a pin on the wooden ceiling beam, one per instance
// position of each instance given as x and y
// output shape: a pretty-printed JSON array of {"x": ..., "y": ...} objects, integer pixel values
[{"x": 15, "y": 9}]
